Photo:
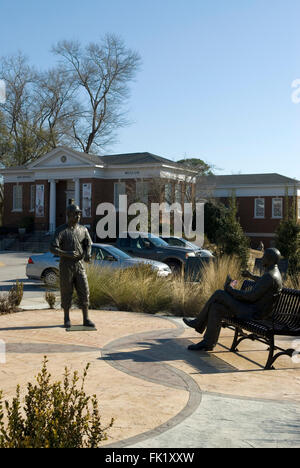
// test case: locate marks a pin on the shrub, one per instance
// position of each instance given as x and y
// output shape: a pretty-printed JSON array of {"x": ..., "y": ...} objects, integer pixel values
[
  {"x": 230, "y": 235},
  {"x": 55, "y": 415},
  {"x": 139, "y": 289},
  {"x": 16, "y": 293},
  {"x": 288, "y": 238},
  {"x": 6, "y": 307},
  {"x": 51, "y": 299},
  {"x": 186, "y": 297},
  {"x": 136, "y": 289},
  {"x": 292, "y": 281}
]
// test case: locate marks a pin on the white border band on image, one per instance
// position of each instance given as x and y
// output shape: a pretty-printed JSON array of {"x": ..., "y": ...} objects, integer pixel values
[{"x": 2, "y": 352}]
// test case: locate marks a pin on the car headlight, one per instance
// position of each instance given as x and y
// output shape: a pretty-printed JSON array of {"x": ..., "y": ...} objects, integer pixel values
[{"x": 190, "y": 254}]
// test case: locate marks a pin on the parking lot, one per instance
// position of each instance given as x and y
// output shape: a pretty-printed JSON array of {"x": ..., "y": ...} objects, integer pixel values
[{"x": 12, "y": 268}]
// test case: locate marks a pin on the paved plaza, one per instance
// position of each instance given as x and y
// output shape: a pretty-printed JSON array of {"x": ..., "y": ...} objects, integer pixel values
[{"x": 160, "y": 394}]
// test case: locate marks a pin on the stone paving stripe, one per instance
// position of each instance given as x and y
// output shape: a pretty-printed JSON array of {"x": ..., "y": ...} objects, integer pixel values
[{"x": 156, "y": 372}]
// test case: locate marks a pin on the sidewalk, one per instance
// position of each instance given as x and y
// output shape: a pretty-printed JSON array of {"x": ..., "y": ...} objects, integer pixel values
[{"x": 160, "y": 394}]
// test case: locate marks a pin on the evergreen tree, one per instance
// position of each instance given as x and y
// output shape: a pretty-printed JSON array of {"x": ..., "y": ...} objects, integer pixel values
[
  {"x": 288, "y": 237},
  {"x": 230, "y": 235},
  {"x": 223, "y": 228}
]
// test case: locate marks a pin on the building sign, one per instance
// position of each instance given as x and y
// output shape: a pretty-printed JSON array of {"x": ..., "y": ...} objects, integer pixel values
[
  {"x": 132, "y": 173},
  {"x": 86, "y": 200},
  {"x": 39, "y": 201}
]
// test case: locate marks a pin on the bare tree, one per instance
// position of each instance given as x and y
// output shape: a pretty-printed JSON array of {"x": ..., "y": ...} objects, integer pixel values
[
  {"x": 56, "y": 105},
  {"x": 23, "y": 135},
  {"x": 102, "y": 72}
]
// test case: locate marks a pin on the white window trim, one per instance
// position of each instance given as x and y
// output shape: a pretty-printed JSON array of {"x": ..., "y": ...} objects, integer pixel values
[
  {"x": 255, "y": 215},
  {"x": 117, "y": 195},
  {"x": 168, "y": 192},
  {"x": 17, "y": 210},
  {"x": 142, "y": 191},
  {"x": 178, "y": 193},
  {"x": 32, "y": 198},
  {"x": 273, "y": 215}
]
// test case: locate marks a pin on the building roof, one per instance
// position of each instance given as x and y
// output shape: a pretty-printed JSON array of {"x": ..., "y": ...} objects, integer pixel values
[
  {"x": 250, "y": 180},
  {"x": 127, "y": 159},
  {"x": 137, "y": 158}
]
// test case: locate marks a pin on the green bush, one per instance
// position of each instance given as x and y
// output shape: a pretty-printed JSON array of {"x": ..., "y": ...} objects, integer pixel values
[
  {"x": 6, "y": 307},
  {"x": 230, "y": 236},
  {"x": 288, "y": 243},
  {"x": 55, "y": 415},
  {"x": 223, "y": 228},
  {"x": 51, "y": 299},
  {"x": 16, "y": 294}
]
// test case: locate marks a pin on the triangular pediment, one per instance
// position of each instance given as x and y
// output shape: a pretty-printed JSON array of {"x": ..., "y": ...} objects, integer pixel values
[{"x": 62, "y": 157}]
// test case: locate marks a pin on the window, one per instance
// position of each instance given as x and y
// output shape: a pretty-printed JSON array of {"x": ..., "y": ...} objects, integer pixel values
[
  {"x": 119, "y": 189},
  {"x": 124, "y": 242},
  {"x": 277, "y": 208},
  {"x": 178, "y": 193},
  {"x": 17, "y": 198},
  {"x": 168, "y": 193},
  {"x": 259, "y": 209},
  {"x": 188, "y": 193},
  {"x": 142, "y": 190},
  {"x": 32, "y": 197}
]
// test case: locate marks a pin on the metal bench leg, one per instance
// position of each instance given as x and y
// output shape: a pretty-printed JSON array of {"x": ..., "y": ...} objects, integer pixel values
[
  {"x": 233, "y": 348},
  {"x": 271, "y": 359}
]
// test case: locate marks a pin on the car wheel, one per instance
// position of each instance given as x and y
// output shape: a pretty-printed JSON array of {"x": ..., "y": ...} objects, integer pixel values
[
  {"x": 176, "y": 267},
  {"x": 50, "y": 277}
]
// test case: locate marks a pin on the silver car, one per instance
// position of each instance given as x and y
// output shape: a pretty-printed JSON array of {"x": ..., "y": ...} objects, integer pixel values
[
  {"x": 181, "y": 242},
  {"x": 46, "y": 266}
]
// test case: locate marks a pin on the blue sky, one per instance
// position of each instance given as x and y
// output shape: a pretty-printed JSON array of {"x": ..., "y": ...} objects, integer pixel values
[{"x": 216, "y": 77}]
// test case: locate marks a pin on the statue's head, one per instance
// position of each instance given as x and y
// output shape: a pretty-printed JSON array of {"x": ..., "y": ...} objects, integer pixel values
[
  {"x": 271, "y": 257},
  {"x": 73, "y": 213}
]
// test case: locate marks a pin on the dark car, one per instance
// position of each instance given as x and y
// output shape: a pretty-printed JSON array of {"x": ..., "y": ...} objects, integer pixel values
[{"x": 145, "y": 245}]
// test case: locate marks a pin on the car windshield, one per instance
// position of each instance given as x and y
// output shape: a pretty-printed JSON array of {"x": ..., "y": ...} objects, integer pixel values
[
  {"x": 117, "y": 252},
  {"x": 191, "y": 245},
  {"x": 157, "y": 241}
]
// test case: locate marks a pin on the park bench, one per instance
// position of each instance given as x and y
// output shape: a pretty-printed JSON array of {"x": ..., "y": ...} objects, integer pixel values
[{"x": 285, "y": 321}]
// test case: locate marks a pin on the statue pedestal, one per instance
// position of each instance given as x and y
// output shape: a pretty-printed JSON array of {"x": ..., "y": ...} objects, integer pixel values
[{"x": 80, "y": 328}]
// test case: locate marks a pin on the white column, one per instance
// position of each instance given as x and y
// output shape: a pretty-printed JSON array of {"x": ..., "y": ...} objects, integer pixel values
[
  {"x": 52, "y": 208},
  {"x": 77, "y": 192}
]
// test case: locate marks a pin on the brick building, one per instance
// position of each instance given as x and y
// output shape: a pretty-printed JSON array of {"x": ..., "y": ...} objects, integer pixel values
[
  {"x": 262, "y": 201},
  {"x": 42, "y": 189}
]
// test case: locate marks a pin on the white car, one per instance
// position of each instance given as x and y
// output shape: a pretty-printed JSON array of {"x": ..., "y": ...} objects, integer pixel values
[{"x": 46, "y": 266}]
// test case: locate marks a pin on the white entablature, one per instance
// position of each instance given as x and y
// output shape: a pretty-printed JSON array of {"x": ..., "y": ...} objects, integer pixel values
[{"x": 64, "y": 163}]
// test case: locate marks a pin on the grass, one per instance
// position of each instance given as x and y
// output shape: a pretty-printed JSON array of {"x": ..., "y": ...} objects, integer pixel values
[{"x": 139, "y": 289}]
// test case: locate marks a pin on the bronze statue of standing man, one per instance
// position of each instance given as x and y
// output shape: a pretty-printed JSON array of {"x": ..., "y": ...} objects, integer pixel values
[{"x": 72, "y": 243}]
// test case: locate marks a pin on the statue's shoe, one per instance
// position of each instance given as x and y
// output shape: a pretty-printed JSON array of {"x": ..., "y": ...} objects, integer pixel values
[
  {"x": 67, "y": 324},
  {"x": 194, "y": 324},
  {"x": 88, "y": 323},
  {"x": 202, "y": 346}
]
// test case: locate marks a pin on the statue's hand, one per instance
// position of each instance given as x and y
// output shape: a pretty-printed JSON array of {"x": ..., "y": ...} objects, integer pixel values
[
  {"x": 246, "y": 274},
  {"x": 228, "y": 281},
  {"x": 72, "y": 254}
]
